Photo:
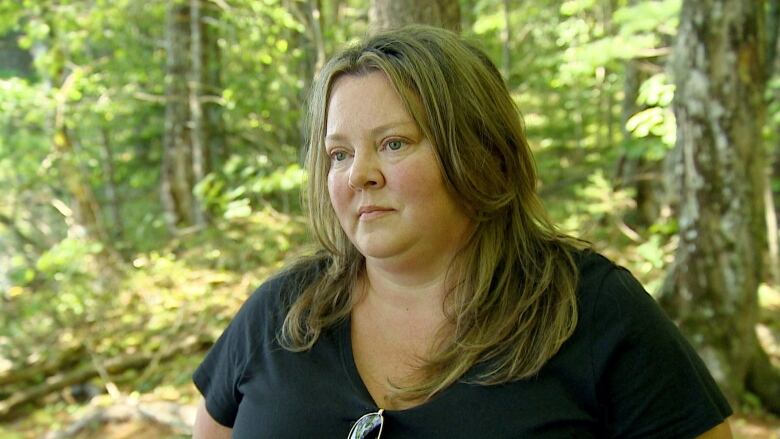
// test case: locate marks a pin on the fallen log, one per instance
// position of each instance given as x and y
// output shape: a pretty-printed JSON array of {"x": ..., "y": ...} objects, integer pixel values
[
  {"x": 87, "y": 372},
  {"x": 30, "y": 372}
]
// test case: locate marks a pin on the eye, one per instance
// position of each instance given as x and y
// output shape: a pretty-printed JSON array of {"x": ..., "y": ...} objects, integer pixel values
[
  {"x": 338, "y": 156},
  {"x": 395, "y": 144}
]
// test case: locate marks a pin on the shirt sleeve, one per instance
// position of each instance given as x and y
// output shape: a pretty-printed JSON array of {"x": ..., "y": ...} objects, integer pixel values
[
  {"x": 219, "y": 375},
  {"x": 649, "y": 380},
  {"x": 233, "y": 358}
]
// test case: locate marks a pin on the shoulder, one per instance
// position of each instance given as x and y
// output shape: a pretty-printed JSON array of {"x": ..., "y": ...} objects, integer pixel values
[
  {"x": 647, "y": 378},
  {"x": 608, "y": 288},
  {"x": 269, "y": 303},
  {"x": 593, "y": 268},
  {"x": 596, "y": 271},
  {"x": 297, "y": 275},
  {"x": 617, "y": 315},
  {"x": 281, "y": 289}
]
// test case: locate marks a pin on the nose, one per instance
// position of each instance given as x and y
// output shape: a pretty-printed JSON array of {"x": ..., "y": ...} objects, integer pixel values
[{"x": 365, "y": 172}]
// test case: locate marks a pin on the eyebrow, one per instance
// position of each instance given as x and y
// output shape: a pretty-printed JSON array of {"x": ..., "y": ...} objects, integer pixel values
[{"x": 374, "y": 131}]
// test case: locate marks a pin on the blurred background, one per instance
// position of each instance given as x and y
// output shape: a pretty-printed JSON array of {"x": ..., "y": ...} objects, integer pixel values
[{"x": 150, "y": 172}]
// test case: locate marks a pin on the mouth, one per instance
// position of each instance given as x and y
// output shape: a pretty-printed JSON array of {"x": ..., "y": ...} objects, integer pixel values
[{"x": 369, "y": 212}]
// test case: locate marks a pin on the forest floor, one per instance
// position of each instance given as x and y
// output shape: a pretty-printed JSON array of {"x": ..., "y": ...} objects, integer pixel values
[
  {"x": 167, "y": 411},
  {"x": 159, "y": 401}
]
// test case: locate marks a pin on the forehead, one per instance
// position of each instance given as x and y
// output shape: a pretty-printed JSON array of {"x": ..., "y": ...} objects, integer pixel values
[
  {"x": 362, "y": 90},
  {"x": 363, "y": 99}
]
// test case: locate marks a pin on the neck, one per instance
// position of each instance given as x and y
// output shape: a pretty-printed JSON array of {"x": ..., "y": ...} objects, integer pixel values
[
  {"x": 407, "y": 291},
  {"x": 411, "y": 282}
]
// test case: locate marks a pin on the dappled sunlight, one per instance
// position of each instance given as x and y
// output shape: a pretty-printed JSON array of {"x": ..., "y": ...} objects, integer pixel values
[{"x": 147, "y": 191}]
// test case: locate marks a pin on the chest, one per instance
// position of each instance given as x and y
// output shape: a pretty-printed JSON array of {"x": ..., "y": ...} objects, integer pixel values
[
  {"x": 389, "y": 356},
  {"x": 320, "y": 393}
]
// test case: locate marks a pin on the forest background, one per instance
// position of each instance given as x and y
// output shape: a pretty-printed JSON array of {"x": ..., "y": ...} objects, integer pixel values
[{"x": 150, "y": 175}]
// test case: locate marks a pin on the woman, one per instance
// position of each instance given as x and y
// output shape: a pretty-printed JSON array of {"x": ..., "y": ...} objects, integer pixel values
[{"x": 443, "y": 302}]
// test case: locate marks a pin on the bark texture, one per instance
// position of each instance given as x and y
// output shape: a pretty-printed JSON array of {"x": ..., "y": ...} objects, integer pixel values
[
  {"x": 772, "y": 65},
  {"x": 712, "y": 289},
  {"x": 390, "y": 14},
  {"x": 214, "y": 126},
  {"x": 197, "y": 126},
  {"x": 188, "y": 153},
  {"x": 177, "y": 175}
]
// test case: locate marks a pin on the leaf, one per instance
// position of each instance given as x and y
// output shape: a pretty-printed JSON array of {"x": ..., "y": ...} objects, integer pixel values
[
  {"x": 489, "y": 23},
  {"x": 238, "y": 209},
  {"x": 648, "y": 16}
]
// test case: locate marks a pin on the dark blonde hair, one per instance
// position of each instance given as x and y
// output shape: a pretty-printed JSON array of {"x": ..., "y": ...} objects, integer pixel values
[{"x": 513, "y": 302}]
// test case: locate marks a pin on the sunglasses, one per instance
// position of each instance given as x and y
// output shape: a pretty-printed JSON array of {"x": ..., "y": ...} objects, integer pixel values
[{"x": 368, "y": 424}]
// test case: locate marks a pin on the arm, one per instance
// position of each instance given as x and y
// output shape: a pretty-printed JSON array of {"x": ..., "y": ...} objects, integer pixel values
[
  {"x": 653, "y": 381},
  {"x": 721, "y": 431},
  {"x": 207, "y": 428}
]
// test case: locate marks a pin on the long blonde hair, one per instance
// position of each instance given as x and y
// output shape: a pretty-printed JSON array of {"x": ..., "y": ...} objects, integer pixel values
[{"x": 513, "y": 304}]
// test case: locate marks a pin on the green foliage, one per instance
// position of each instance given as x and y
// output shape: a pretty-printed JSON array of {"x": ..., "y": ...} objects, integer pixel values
[
  {"x": 573, "y": 7},
  {"x": 245, "y": 243},
  {"x": 653, "y": 129},
  {"x": 245, "y": 184},
  {"x": 648, "y": 17},
  {"x": 601, "y": 199},
  {"x": 65, "y": 259},
  {"x": 10, "y": 14},
  {"x": 101, "y": 68},
  {"x": 585, "y": 59},
  {"x": 24, "y": 108},
  {"x": 43, "y": 310},
  {"x": 262, "y": 87},
  {"x": 566, "y": 75}
]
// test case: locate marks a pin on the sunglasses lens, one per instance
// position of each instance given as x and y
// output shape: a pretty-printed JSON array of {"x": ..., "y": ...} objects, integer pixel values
[{"x": 365, "y": 426}]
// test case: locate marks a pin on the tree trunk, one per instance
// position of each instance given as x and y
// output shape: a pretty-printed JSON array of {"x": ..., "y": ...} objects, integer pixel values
[
  {"x": 311, "y": 13},
  {"x": 389, "y": 14},
  {"x": 711, "y": 291},
  {"x": 771, "y": 66},
  {"x": 317, "y": 22},
  {"x": 197, "y": 129},
  {"x": 177, "y": 172},
  {"x": 773, "y": 248},
  {"x": 113, "y": 196},
  {"x": 214, "y": 126}
]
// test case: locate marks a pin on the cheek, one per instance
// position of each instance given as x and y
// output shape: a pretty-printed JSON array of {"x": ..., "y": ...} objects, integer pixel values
[
  {"x": 338, "y": 191},
  {"x": 419, "y": 183}
]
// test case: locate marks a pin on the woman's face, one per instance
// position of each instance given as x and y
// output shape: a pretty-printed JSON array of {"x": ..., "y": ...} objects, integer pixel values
[{"x": 384, "y": 181}]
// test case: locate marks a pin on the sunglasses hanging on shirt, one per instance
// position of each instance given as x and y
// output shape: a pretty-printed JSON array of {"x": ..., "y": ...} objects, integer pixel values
[{"x": 369, "y": 426}]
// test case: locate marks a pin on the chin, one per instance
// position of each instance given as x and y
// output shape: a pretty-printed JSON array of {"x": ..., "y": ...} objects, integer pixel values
[{"x": 374, "y": 251}]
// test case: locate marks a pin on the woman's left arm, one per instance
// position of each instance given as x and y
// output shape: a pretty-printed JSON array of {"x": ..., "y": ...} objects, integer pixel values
[
  {"x": 653, "y": 381},
  {"x": 721, "y": 431}
]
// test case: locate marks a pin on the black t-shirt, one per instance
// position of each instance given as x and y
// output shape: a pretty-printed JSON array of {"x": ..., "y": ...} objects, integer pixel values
[{"x": 625, "y": 372}]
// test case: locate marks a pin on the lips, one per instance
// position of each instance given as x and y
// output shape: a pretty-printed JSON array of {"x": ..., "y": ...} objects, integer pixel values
[{"x": 368, "y": 212}]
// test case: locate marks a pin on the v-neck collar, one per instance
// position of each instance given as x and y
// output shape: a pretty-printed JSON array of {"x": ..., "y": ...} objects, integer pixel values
[
  {"x": 344, "y": 337},
  {"x": 344, "y": 340}
]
